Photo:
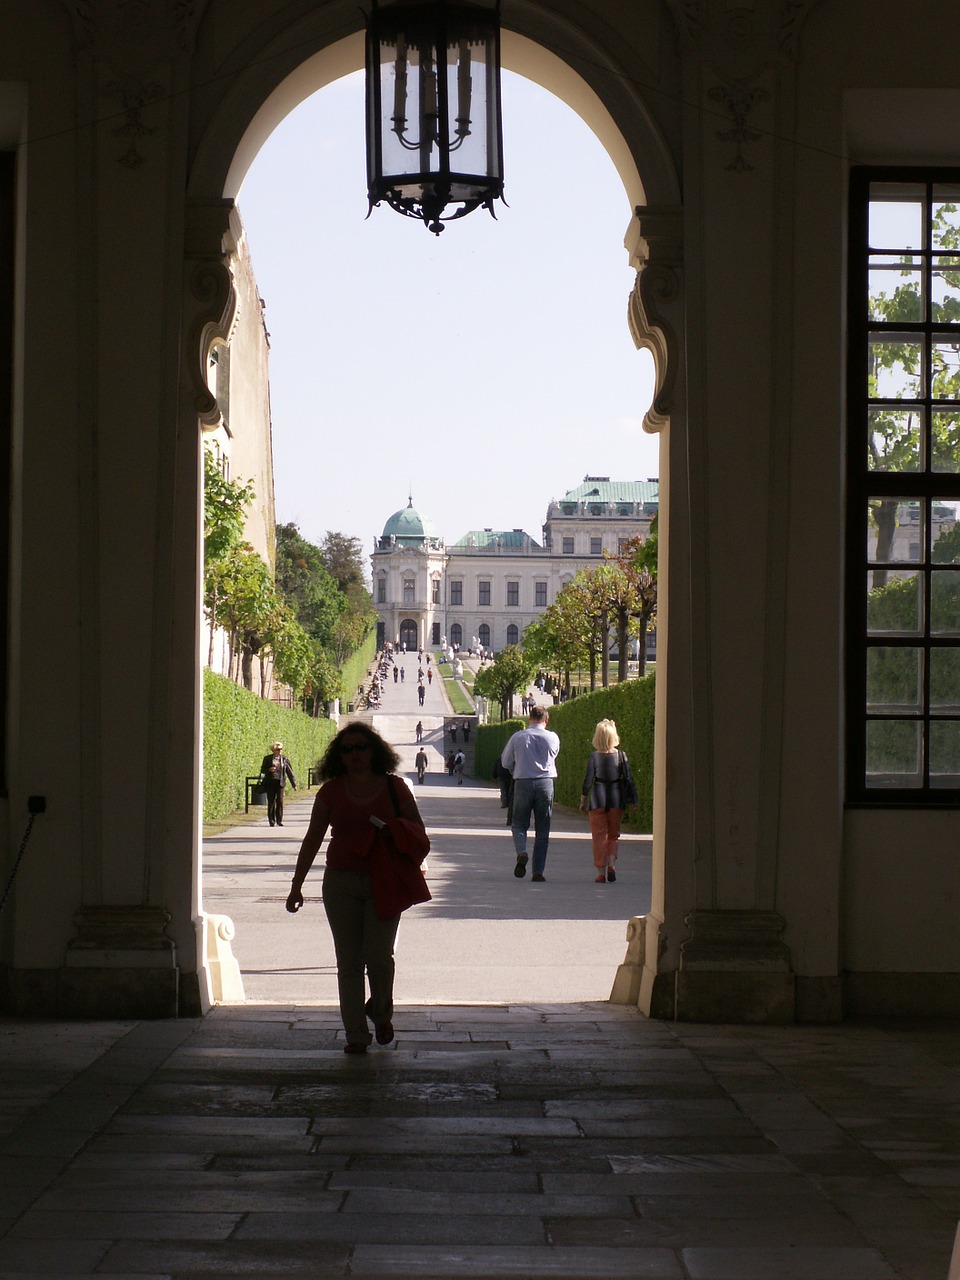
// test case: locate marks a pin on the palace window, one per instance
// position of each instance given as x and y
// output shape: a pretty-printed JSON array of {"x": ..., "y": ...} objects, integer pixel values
[
  {"x": 483, "y": 593},
  {"x": 456, "y": 635},
  {"x": 513, "y": 634},
  {"x": 513, "y": 593},
  {"x": 409, "y": 591},
  {"x": 540, "y": 594},
  {"x": 381, "y": 591},
  {"x": 456, "y": 592},
  {"x": 596, "y": 546},
  {"x": 568, "y": 546},
  {"x": 903, "y": 588},
  {"x": 435, "y": 634},
  {"x": 483, "y": 635},
  {"x": 435, "y": 591}
]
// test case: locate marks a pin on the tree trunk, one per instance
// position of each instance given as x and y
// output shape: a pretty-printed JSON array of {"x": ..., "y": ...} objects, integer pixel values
[
  {"x": 885, "y": 514},
  {"x": 623, "y": 624},
  {"x": 605, "y": 649}
]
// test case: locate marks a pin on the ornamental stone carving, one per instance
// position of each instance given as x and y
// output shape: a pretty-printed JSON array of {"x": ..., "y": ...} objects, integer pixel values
[
  {"x": 656, "y": 251},
  {"x": 211, "y": 236}
]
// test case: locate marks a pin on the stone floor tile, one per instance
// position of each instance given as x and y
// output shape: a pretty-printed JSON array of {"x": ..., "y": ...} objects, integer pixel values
[
  {"x": 54, "y": 1257},
  {"x": 465, "y": 1204},
  {"x": 472, "y": 1181},
  {"x": 446, "y": 1126},
  {"x": 297, "y": 1260},
  {"x": 124, "y": 1226},
  {"x": 516, "y": 1263},
  {"x": 786, "y": 1264},
  {"x": 408, "y": 1229}
]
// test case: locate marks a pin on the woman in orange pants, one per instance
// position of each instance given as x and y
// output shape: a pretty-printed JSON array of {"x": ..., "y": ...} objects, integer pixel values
[{"x": 608, "y": 789}]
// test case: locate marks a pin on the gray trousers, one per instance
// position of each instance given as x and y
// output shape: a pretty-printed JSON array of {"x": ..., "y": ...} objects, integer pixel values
[{"x": 364, "y": 944}]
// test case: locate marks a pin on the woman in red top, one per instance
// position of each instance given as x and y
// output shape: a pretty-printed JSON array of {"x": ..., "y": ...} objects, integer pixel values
[{"x": 359, "y": 783}]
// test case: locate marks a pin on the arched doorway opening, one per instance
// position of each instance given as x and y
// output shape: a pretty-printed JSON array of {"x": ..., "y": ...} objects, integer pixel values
[
  {"x": 528, "y": 57},
  {"x": 409, "y": 636}
]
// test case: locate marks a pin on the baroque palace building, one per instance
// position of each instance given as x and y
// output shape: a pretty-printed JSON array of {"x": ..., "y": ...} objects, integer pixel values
[{"x": 488, "y": 586}]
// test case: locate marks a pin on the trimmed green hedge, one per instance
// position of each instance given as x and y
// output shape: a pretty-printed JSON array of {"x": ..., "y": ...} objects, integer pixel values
[
  {"x": 238, "y": 728},
  {"x": 630, "y": 704},
  {"x": 355, "y": 668}
]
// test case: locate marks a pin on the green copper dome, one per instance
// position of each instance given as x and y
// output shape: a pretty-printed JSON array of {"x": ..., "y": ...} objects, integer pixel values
[{"x": 409, "y": 526}]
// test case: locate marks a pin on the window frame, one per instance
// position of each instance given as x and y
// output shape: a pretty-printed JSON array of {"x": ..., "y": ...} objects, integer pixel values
[
  {"x": 513, "y": 593},
  {"x": 456, "y": 591},
  {"x": 484, "y": 589},
  {"x": 924, "y": 485}
]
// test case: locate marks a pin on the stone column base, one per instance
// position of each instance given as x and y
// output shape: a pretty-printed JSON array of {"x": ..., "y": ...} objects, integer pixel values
[
  {"x": 121, "y": 964},
  {"x": 626, "y": 984}
]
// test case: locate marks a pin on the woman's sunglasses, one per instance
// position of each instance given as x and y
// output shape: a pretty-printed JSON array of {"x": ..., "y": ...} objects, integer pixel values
[{"x": 355, "y": 746}]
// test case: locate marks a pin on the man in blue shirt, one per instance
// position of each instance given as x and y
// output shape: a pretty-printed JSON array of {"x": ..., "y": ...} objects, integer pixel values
[{"x": 530, "y": 756}]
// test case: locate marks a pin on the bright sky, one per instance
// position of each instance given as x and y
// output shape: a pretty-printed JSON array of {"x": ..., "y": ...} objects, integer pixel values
[{"x": 486, "y": 370}]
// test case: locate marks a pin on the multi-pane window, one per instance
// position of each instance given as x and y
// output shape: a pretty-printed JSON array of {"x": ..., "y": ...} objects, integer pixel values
[
  {"x": 540, "y": 595},
  {"x": 381, "y": 591},
  {"x": 456, "y": 635},
  {"x": 456, "y": 592},
  {"x": 483, "y": 635},
  {"x": 904, "y": 515},
  {"x": 435, "y": 591},
  {"x": 409, "y": 591},
  {"x": 596, "y": 546},
  {"x": 513, "y": 593},
  {"x": 435, "y": 634},
  {"x": 483, "y": 592},
  {"x": 513, "y": 634},
  {"x": 568, "y": 546}
]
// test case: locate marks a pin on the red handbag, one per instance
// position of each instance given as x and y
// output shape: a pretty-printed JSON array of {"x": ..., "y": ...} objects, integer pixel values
[{"x": 398, "y": 850}]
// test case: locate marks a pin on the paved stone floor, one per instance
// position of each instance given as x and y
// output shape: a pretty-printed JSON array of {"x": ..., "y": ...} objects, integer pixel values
[{"x": 574, "y": 1140}]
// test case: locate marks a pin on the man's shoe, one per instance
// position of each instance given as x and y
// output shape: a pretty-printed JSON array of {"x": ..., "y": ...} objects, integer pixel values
[
  {"x": 537, "y": 876},
  {"x": 354, "y": 1046},
  {"x": 384, "y": 1032},
  {"x": 520, "y": 870},
  {"x": 611, "y": 875}
]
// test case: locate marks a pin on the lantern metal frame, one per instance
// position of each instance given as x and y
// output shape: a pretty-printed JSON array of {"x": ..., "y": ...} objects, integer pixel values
[{"x": 434, "y": 29}]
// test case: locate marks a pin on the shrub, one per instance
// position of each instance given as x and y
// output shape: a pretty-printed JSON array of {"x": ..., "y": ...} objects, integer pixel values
[
  {"x": 238, "y": 728},
  {"x": 630, "y": 704}
]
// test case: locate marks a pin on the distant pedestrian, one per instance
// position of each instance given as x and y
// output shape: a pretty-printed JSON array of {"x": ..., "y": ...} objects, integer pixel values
[
  {"x": 530, "y": 756},
  {"x": 465, "y": 726},
  {"x": 430, "y": 675},
  {"x": 459, "y": 760},
  {"x": 403, "y": 674},
  {"x": 421, "y": 691},
  {"x": 396, "y": 674},
  {"x": 451, "y": 758},
  {"x": 420, "y": 764},
  {"x": 453, "y": 731},
  {"x": 419, "y": 730},
  {"x": 274, "y": 772},
  {"x": 608, "y": 790}
]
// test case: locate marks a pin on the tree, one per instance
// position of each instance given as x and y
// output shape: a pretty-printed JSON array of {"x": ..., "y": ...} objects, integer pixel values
[
  {"x": 343, "y": 557},
  {"x": 510, "y": 671},
  {"x": 638, "y": 558},
  {"x": 305, "y": 583},
  {"x": 240, "y": 596},
  {"x": 895, "y": 367},
  {"x": 224, "y": 510}
]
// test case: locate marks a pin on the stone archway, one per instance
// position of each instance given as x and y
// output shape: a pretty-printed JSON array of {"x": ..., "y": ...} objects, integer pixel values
[{"x": 261, "y": 95}]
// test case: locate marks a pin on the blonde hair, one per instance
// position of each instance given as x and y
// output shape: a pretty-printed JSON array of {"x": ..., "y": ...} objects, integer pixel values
[{"x": 605, "y": 737}]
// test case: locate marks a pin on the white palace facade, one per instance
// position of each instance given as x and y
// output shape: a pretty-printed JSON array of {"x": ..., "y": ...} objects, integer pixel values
[{"x": 489, "y": 585}]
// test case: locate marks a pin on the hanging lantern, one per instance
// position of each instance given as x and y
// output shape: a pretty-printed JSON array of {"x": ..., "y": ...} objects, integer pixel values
[{"x": 433, "y": 109}]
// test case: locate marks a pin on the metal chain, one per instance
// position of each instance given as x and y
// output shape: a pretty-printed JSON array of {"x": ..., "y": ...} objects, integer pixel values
[{"x": 16, "y": 865}]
